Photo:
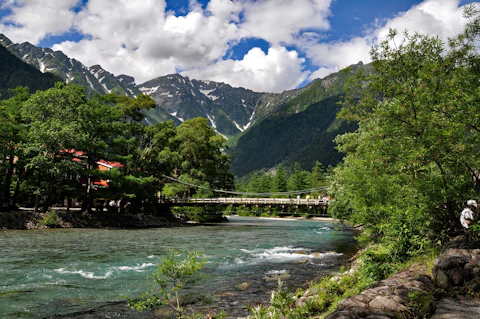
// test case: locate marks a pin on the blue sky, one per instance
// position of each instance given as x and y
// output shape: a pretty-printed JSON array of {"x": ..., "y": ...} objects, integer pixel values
[{"x": 263, "y": 45}]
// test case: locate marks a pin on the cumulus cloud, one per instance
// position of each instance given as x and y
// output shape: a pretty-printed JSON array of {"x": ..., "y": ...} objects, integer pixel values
[
  {"x": 33, "y": 20},
  {"x": 280, "y": 21},
  {"x": 272, "y": 72},
  {"x": 141, "y": 38},
  {"x": 441, "y": 18},
  {"x": 147, "y": 42},
  {"x": 434, "y": 17}
]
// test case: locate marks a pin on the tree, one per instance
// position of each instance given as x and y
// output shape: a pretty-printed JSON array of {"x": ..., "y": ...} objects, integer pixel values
[
  {"x": 412, "y": 160},
  {"x": 173, "y": 273},
  {"x": 12, "y": 134},
  {"x": 317, "y": 178},
  {"x": 53, "y": 128},
  {"x": 201, "y": 157},
  {"x": 280, "y": 180},
  {"x": 299, "y": 180}
]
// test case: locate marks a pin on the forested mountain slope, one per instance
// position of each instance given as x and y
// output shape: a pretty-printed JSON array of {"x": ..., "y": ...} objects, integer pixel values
[{"x": 14, "y": 73}]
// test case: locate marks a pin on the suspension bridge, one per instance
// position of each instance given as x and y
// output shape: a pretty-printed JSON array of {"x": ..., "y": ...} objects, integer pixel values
[{"x": 250, "y": 199}]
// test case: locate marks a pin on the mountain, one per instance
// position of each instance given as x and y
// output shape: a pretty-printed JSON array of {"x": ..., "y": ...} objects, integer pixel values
[
  {"x": 14, "y": 72},
  {"x": 94, "y": 79},
  {"x": 301, "y": 130},
  {"x": 263, "y": 129},
  {"x": 229, "y": 110}
]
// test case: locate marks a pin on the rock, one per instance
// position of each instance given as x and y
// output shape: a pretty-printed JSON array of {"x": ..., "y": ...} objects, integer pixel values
[
  {"x": 457, "y": 276},
  {"x": 474, "y": 284},
  {"x": 387, "y": 304},
  {"x": 284, "y": 276},
  {"x": 441, "y": 278},
  {"x": 243, "y": 286}
]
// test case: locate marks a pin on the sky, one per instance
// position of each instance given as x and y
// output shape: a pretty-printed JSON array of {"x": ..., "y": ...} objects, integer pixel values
[{"x": 262, "y": 45}]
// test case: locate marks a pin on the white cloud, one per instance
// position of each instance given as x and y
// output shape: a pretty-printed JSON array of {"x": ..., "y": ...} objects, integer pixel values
[
  {"x": 331, "y": 57},
  {"x": 441, "y": 18},
  {"x": 273, "y": 72},
  {"x": 141, "y": 39},
  {"x": 146, "y": 42},
  {"x": 32, "y": 20},
  {"x": 280, "y": 21}
]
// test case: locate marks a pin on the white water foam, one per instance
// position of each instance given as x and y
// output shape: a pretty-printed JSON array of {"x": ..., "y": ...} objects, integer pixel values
[
  {"x": 286, "y": 254},
  {"x": 84, "y": 274},
  {"x": 110, "y": 271}
]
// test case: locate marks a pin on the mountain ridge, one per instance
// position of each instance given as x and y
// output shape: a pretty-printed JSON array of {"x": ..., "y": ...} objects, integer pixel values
[{"x": 232, "y": 112}]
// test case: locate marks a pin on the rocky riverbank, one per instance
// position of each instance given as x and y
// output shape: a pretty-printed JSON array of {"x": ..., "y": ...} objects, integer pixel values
[
  {"x": 28, "y": 219},
  {"x": 413, "y": 293}
]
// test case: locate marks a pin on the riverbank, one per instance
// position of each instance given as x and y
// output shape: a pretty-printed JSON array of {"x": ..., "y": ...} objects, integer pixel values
[{"x": 60, "y": 218}]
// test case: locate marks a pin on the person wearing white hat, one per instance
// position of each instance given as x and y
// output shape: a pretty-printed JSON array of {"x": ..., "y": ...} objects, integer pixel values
[{"x": 466, "y": 217}]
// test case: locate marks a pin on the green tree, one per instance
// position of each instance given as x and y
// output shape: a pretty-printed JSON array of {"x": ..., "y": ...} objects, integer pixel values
[
  {"x": 299, "y": 180},
  {"x": 279, "y": 183},
  {"x": 12, "y": 134},
  {"x": 53, "y": 129},
  {"x": 202, "y": 160},
  {"x": 174, "y": 273},
  {"x": 317, "y": 177},
  {"x": 412, "y": 160}
]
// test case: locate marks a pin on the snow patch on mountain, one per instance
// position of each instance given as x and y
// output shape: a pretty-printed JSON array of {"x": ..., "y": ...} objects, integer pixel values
[
  {"x": 211, "y": 118},
  {"x": 149, "y": 91},
  {"x": 41, "y": 65},
  {"x": 89, "y": 82},
  {"x": 174, "y": 114},
  {"x": 207, "y": 94}
]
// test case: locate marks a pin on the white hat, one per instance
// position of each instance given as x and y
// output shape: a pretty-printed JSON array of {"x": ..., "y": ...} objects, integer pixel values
[{"x": 471, "y": 202}]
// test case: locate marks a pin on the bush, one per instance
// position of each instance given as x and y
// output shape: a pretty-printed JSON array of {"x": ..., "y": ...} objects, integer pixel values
[
  {"x": 51, "y": 219},
  {"x": 173, "y": 274}
]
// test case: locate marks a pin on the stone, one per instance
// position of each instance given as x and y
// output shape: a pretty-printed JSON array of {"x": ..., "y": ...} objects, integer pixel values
[
  {"x": 473, "y": 284},
  {"x": 457, "y": 276},
  {"x": 350, "y": 303},
  {"x": 386, "y": 304},
  {"x": 383, "y": 291},
  {"x": 311, "y": 292},
  {"x": 341, "y": 315},
  {"x": 441, "y": 279},
  {"x": 243, "y": 286}
]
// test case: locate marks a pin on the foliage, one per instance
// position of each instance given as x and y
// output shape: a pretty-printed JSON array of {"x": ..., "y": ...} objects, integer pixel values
[
  {"x": 282, "y": 304},
  {"x": 53, "y": 140},
  {"x": 173, "y": 274},
  {"x": 51, "y": 219},
  {"x": 285, "y": 179},
  {"x": 411, "y": 163}
]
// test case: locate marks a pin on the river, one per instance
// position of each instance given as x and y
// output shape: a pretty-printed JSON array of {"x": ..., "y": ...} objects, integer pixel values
[{"x": 81, "y": 273}]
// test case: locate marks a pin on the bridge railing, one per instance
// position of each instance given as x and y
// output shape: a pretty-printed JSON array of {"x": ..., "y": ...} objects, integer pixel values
[{"x": 250, "y": 201}]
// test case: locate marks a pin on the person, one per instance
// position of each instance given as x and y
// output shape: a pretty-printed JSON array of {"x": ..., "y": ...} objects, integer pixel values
[
  {"x": 298, "y": 199},
  {"x": 466, "y": 217}
]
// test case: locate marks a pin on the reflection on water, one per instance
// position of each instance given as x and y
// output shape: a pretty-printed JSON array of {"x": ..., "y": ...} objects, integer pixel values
[{"x": 59, "y": 271}]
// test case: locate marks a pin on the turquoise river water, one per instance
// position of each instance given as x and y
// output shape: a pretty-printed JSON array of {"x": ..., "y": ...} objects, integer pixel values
[{"x": 66, "y": 273}]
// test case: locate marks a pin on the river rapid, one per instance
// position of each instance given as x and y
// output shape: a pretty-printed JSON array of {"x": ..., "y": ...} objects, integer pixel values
[{"x": 82, "y": 273}]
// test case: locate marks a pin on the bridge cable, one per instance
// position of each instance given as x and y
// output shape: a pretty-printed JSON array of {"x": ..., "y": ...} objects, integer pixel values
[{"x": 302, "y": 191}]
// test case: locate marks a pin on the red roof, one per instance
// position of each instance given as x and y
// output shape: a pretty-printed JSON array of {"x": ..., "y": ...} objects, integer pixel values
[{"x": 109, "y": 164}]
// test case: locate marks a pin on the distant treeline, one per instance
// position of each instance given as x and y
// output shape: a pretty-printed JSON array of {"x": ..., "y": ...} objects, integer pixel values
[{"x": 52, "y": 141}]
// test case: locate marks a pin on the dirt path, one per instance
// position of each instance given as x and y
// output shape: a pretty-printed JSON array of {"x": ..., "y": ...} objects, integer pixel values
[{"x": 455, "y": 308}]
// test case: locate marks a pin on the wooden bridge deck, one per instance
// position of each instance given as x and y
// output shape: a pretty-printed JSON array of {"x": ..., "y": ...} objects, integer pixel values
[{"x": 239, "y": 201}]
